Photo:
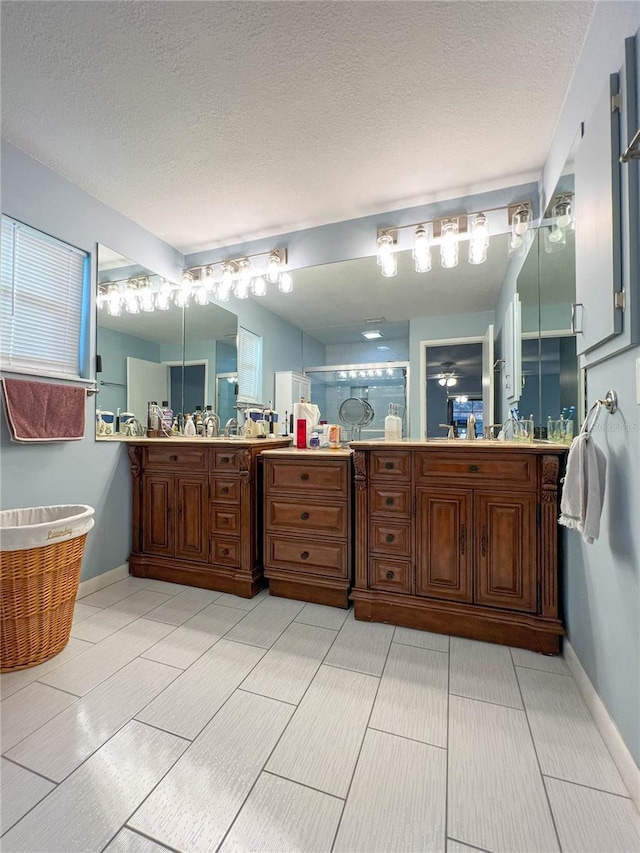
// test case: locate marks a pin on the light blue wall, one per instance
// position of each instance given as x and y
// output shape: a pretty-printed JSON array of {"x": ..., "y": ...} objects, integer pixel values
[
  {"x": 602, "y": 581},
  {"x": 114, "y": 349},
  {"x": 436, "y": 329},
  {"x": 84, "y": 471},
  {"x": 367, "y": 352}
]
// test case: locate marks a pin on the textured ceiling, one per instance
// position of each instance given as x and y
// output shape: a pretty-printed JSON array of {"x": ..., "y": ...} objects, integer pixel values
[{"x": 213, "y": 122}]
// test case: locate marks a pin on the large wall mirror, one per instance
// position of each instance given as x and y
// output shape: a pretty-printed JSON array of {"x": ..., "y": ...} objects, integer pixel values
[{"x": 186, "y": 356}]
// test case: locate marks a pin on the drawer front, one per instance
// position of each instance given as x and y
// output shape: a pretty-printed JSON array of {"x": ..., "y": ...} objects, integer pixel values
[
  {"x": 390, "y": 575},
  {"x": 225, "y": 552},
  {"x": 311, "y": 557},
  {"x": 329, "y": 478},
  {"x": 225, "y": 460},
  {"x": 225, "y": 490},
  {"x": 390, "y": 500},
  {"x": 225, "y": 520},
  {"x": 390, "y": 465},
  {"x": 391, "y": 537},
  {"x": 302, "y": 516},
  {"x": 178, "y": 458},
  {"x": 516, "y": 469}
]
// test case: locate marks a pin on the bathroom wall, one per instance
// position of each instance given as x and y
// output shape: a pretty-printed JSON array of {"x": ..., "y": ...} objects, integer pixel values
[
  {"x": 367, "y": 352},
  {"x": 602, "y": 581}
]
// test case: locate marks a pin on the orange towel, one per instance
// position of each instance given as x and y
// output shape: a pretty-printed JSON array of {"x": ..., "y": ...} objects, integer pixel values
[{"x": 43, "y": 411}]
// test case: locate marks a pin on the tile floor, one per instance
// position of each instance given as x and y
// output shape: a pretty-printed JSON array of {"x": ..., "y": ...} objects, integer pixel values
[{"x": 186, "y": 720}]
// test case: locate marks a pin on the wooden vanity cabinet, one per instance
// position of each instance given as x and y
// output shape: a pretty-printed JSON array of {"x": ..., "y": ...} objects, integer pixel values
[
  {"x": 460, "y": 540},
  {"x": 196, "y": 514},
  {"x": 308, "y": 541}
]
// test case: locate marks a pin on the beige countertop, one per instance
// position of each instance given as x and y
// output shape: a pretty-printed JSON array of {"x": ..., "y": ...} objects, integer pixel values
[
  {"x": 309, "y": 453},
  {"x": 197, "y": 440},
  {"x": 462, "y": 444}
]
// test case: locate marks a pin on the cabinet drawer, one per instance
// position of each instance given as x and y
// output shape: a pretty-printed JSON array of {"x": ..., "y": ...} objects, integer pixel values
[
  {"x": 225, "y": 551},
  {"x": 225, "y": 460},
  {"x": 303, "y": 515},
  {"x": 390, "y": 465},
  {"x": 178, "y": 458},
  {"x": 390, "y": 500},
  {"x": 516, "y": 469},
  {"x": 320, "y": 477},
  {"x": 321, "y": 558},
  {"x": 391, "y": 537},
  {"x": 390, "y": 575},
  {"x": 225, "y": 519},
  {"x": 225, "y": 490}
]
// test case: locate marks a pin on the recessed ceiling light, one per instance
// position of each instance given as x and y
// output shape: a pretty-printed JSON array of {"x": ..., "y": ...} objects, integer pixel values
[
  {"x": 373, "y": 335},
  {"x": 373, "y": 320}
]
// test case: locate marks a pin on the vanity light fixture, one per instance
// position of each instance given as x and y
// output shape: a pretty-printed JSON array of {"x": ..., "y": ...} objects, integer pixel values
[
  {"x": 285, "y": 285},
  {"x": 449, "y": 244},
  {"x": 386, "y": 259},
  {"x": 259, "y": 286},
  {"x": 447, "y": 378},
  {"x": 421, "y": 249},
  {"x": 520, "y": 219},
  {"x": 373, "y": 335},
  {"x": 555, "y": 235},
  {"x": 479, "y": 239}
]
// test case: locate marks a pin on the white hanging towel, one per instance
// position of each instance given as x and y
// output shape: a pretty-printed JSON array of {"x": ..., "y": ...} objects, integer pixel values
[{"x": 583, "y": 491}]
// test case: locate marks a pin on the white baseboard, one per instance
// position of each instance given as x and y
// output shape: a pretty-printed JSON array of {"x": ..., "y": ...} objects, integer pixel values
[
  {"x": 622, "y": 758},
  {"x": 94, "y": 584}
]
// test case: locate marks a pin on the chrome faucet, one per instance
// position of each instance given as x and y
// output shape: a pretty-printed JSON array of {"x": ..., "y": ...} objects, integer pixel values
[
  {"x": 488, "y": 431},
  {"x": 231, "y": 424},
  {"x": 211, "y": 425},
  {"x": 450, "y": 432}
]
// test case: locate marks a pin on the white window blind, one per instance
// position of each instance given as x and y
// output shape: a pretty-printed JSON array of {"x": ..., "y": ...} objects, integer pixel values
[
  {"x": 44, "y": 282},
  {"x": 249, "y": 366}
]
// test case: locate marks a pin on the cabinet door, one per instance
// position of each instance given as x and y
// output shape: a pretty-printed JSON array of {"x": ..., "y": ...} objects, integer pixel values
[
  {"x": 505, "y": 539},
  {"x": 157, "y": 514},
  {"x": 444, "y": 544},
  {"x": 192, "y": 518}
]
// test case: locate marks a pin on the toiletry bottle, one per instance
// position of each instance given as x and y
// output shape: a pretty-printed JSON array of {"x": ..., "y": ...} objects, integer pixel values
[
  {"x": 199, "y": 423},
  {"x": 189, "y": 426},
  {"x": 398, "y": 423},
  {"x": 167, "y": 416},
  {"x": 301, "y": 434},
  {"x": 175, "y": 427},
  {"x": 314, "y": 441},
  {"x": 471, "y": 426},
  {"x": 390, "y": 425}
]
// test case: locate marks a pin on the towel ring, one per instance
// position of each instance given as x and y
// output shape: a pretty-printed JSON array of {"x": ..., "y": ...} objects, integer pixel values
[{"x": 610, "y": 403}]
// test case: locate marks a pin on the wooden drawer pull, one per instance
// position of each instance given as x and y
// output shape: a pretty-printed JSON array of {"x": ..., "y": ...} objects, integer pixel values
[
  {"x": 388, "y": 465},
  {"x": 463, "y": 538},
  {"x": 473, "y": 468},
  {"x": 224, "y": 460},
  {"x": 390, "y": 538},
  {"x": 224, "y": 552},
  {"x": 389, "y": 576},
  {"x": 304, "y": 476},
  {"x": 173, "y": 458},
  {"x": 390, "y": 501},
  {"x": 224, "y": 490},
  {"x": 304, "y": 516},
  {"x": 304, "y": 555}
]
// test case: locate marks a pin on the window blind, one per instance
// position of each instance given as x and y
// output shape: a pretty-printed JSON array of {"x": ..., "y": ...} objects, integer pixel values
[
  {"x": 42, "y": 300},
  {"x": 249, "y": 366}
]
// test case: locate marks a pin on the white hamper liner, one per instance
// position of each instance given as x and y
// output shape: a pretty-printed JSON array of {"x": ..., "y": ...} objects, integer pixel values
[{"x": 38, "y": 526}]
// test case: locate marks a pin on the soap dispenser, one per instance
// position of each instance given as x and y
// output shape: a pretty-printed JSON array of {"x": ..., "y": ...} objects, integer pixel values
[{"x": 471, "y": 427}]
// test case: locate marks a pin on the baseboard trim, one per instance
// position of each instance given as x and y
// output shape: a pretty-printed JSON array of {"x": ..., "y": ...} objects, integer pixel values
[
  {"x": 622, "y": 758},
  {"x": 100, "y": 581}
]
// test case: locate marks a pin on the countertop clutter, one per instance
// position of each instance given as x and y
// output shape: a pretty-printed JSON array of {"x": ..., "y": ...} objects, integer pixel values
[{"x": 458, "y": 537}]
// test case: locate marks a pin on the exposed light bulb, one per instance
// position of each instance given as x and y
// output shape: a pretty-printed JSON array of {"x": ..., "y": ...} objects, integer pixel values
[
  {"x": 163, "y": 301},
  {"x": 166, "y": 287},
  {"x": 555, "y": 239},
  {"x": 207, "y": 279},
  {"x": 386, "y": 255},
  {"x": 449, "y": 244},
  {"x": 227, "y": 276},
  {"x": 223, "y": 292},
  {"x": 479, "y": 241},
  {"x": 147, "y": 299},
  {"x": 451, "y": 381},
  {"x": 102, "y": 299},
  {"x": 273, "y": 267},
  {"x": 421, "y": 250},
  {"x": 442, "y": 381},
  {"x": 244, "y": 271},
  {"x": 186, "y": 284},
  {"x": 201, "y": 296},
  {"x": 131, "y": 303},
  {"x": 114, "y": 304},
  {"x": 259, "y": 286},
  {"x": 242, "y": 288},
  {"x": 562, "y": 212},
  {"x": 521, "y": 221},
  {"x": 285, "y": 285}
]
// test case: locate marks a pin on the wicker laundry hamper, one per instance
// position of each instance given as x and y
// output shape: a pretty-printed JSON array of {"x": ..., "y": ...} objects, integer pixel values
[{"x": 40, "y": 561}]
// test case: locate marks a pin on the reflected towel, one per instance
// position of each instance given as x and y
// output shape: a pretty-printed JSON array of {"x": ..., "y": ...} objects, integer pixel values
[
  {"x": 583, "y": 491},
  {"x": 42, "y": 411}
]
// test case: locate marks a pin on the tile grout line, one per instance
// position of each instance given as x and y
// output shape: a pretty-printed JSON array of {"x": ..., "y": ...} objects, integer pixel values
[
  {"x": 35, "y": 772},
  {"x": 535, "y": 751},
  {"x": 264, "y": 695},
  {"x": 366, "y": 728},
  {"x": 486, "y": 701},
  {"x": 5, "y": 829},
  {"x": 424, "y": 648},
  {"x": 303, "y": 785},
  {"x": 588, "y": 787},
  {"x": 405, "y": 737},
  {"x": 466, "y": 844},
  {"x": 160, "y": 729},
  {"x": 142, "y": 835},
  {"x": 59, "y": 689}
]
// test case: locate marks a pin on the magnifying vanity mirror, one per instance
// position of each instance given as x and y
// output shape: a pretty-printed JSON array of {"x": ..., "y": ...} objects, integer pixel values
[{"x": 186, "y": 356}]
